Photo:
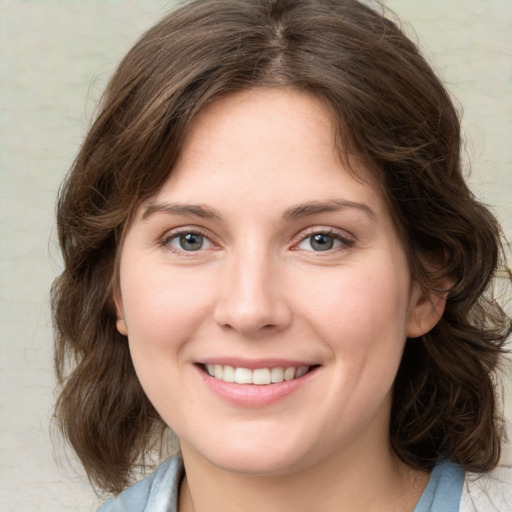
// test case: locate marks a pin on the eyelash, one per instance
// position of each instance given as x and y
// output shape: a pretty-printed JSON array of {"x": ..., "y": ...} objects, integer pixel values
[
  {"x": 166, "y": 240},
  {"x": 346, "y": 242},
  {"x": 173, "y": 235}
]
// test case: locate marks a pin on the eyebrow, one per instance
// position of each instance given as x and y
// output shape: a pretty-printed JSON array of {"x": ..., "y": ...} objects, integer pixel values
[
  {"x": 299, "y": 211},
  {"x": 196, "y": 210},
  {"x": 315, "y": 207}
]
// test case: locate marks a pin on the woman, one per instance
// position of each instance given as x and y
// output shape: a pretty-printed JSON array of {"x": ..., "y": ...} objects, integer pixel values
[{"x": 270, "y": 249}]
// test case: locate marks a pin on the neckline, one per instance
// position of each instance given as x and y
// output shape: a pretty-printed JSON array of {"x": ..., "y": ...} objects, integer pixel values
[{"x": 444, "y": 489}]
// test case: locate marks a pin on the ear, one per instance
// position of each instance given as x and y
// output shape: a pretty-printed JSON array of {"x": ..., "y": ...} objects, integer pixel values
[
  {"x": 120, "y": 323},
  {"x": 121, "y": 326},
  {"x": 426, "y": 309}
]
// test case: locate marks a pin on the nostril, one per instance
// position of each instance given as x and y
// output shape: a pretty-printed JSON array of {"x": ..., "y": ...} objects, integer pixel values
[{"x": 252, "y": 313}]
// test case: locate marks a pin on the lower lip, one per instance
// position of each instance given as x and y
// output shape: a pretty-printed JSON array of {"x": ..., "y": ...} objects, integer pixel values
[{"x": 254, "y": 395}]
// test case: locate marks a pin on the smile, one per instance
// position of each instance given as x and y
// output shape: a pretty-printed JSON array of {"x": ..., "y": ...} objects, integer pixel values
[{"x": 258, "y": 376}]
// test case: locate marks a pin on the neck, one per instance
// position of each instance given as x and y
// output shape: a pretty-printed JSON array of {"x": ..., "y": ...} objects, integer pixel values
[{"x": 361, "y": 483}]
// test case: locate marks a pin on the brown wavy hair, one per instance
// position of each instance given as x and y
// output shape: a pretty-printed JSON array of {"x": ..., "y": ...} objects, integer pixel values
[{"x": 390, "y": 110}]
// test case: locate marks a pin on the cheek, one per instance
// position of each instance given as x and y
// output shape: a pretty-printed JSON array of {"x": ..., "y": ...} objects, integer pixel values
[
  {"x": 162, "y": 315},
  {"x": 360, "y": 300},
  {"x": 160, "y": 305},
  {"x": 363, "y": 317}
]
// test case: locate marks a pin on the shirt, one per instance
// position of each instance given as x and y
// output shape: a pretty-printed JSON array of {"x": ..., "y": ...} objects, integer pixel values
[{"x": 448, "y": 490}]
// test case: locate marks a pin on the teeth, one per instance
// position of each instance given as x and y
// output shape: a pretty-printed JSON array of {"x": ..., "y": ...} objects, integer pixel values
[
  {"x": 301, "y": 370},
  {"x": 289, "y": 374},
  {"x": 243, "y": 376},
  {"x": 277, "y": 375},
  {"x": 259, "y": 376},
  {"x": 229, "y": 374}
]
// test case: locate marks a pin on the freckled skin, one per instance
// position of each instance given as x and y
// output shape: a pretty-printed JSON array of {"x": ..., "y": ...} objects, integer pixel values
[{"x": 259, "y": 288}]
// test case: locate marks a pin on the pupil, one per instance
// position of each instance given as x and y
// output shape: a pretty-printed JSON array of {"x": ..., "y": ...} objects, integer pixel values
[
  {"x": 191, "y": 242},
  {"x": 322, "y": 242}
]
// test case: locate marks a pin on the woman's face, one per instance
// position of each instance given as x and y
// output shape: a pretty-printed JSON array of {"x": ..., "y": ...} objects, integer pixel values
[{"x": 262, "y": 259}]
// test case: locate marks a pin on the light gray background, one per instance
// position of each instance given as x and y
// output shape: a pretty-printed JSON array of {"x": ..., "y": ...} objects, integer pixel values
[{"x": 55, "y": 59}]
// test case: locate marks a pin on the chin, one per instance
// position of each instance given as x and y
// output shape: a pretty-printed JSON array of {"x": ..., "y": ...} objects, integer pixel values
[
  {"x": 258, "y": 463},
  {"x": 252, "y": 458}
]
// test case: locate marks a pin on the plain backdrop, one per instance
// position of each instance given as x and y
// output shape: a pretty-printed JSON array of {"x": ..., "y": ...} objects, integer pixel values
[{"x": 55, "y": 59}]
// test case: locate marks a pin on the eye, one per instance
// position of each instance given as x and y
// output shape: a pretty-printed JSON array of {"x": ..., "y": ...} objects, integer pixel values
[
  {"x": 320, "y": 242},
  {"x": 187, "y": 241}
]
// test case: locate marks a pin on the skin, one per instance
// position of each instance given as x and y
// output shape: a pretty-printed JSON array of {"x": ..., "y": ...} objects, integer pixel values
[{"x": 258, "y": 290}]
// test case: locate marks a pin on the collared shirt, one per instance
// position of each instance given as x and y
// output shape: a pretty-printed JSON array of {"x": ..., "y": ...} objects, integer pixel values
[{"x": 448, "y": 490}]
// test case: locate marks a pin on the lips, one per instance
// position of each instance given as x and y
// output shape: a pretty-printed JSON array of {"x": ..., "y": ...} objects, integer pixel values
[
  {"x": 257, "y": 376},
  {"x": 255, "y": 383}
]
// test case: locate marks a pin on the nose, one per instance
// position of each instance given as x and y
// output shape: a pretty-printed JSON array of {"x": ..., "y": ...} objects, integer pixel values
[{"x": 253, "y": 299}]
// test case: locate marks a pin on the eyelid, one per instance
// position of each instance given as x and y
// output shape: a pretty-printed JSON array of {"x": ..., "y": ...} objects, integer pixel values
[
  {"x": 347, "y": 239},
  {"x": 171, "y": 234}
]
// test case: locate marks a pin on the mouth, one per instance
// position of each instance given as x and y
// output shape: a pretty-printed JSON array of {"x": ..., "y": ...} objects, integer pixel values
[{"x": 257, "y": 376}]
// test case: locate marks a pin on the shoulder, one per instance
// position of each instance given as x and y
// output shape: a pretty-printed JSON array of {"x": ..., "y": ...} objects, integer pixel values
[
  {"x": 452, "y": 490},
  {"x": 489, "y": 492},
  {"x": 158, "y": 492}
]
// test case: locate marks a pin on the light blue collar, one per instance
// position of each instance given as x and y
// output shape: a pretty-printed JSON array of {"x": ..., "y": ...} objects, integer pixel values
[
  {"x": 159, "y": 491},
  {"x": 444, "y": 489}
]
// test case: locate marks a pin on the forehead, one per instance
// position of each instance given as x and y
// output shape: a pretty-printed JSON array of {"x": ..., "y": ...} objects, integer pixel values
[
  {"x": 260, "y": 120},
  {"x": 273, "y": 146}
]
